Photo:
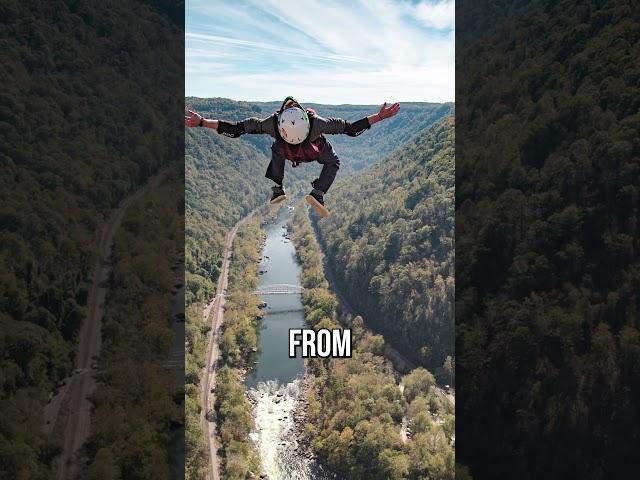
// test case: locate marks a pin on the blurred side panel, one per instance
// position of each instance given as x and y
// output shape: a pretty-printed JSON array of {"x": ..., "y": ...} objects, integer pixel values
[
  {"x": 92, "y": 240},
  {"x": 547, "y": 240}
]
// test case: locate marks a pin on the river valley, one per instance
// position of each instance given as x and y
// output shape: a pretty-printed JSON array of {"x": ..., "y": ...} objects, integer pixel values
[{"x": 275, "y": 384}]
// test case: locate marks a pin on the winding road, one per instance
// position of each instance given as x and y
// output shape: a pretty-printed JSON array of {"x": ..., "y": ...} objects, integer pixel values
[
  {"x": 213, "y": 313},
  {"x": 71, "y": 406}
]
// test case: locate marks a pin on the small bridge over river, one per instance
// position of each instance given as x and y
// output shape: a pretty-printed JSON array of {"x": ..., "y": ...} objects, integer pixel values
[{"x": 279, "y": 289}]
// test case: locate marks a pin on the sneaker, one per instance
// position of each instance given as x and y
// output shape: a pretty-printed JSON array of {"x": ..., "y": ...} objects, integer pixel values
[
  {"x": 316, "y": 200},
  {"x": 278, "y": 195}
]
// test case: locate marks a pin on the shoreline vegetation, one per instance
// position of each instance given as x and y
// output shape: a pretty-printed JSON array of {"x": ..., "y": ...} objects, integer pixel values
[
  {"x": 196, "y": 456},
  {"x": 238, "y": 343},
  {"x": 355, "y": 410}
]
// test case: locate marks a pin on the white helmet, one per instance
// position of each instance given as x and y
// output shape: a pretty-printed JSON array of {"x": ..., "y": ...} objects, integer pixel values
[{"x": 293, "y": 125}]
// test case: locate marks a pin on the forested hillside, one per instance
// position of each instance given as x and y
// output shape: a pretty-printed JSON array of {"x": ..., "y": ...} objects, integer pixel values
[
  {"x": 390, "y": 244},
  {"x": 355, "y": 408},
  {"x": 66, "y": 163},
  {"x": 547, "y": 226},
  {"x": 224, "y": 181}
]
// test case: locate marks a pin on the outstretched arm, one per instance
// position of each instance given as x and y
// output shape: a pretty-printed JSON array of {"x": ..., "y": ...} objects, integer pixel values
[
  {"x": 194, "y": 119},
  {"x": 231, "y": 129},
  {"x": 385, "y": 112},
  {"x": 353, "y": 129}
]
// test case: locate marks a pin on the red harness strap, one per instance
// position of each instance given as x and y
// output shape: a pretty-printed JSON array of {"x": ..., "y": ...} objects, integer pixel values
[{"x": 303, "y": 153}]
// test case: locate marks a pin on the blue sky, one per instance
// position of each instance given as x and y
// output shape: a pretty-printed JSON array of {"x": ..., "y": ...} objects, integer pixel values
[{"x": 325, "y": 51}]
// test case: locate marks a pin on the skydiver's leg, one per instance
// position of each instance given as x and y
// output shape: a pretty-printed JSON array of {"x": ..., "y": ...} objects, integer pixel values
[
  {"x": 275, "y": 172},
  {"x": 330, "y": 166}
]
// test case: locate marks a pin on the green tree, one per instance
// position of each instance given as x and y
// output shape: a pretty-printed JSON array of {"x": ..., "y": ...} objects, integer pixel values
[{"x": 418, "y": 382}]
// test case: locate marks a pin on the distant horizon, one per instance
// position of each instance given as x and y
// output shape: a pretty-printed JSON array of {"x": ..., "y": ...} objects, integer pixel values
[
  {"x": 307, "y": 102},
  {"x": 362, "y": 52}
]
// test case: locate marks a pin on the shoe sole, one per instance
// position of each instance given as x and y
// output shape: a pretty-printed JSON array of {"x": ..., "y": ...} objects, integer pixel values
[
  {"x": 318, "y": 207},
  {"x": 276, "y": 201}
]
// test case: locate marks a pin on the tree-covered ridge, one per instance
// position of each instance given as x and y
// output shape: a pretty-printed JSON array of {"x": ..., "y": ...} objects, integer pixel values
[
  {"x": 390, "y": 243},
  {"x": 137, "y": 406},
  {"x": 66, "y": 164},
  {"x": 355, "y": 153},
  {"x": 355, "y": 408},
  {"x": 548, "y": 270},
  {"x": 224, "y": 181}
]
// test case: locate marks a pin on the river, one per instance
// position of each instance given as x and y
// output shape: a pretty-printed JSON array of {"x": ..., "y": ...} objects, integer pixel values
[{"x": 275, "y": 384}]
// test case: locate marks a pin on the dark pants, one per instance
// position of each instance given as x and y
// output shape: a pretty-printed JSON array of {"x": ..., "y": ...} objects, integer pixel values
[{"x": 330, "y": 165}]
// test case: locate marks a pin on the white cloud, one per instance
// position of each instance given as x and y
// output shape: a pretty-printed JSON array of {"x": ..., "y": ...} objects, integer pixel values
[
  {"x": 438, "y": 14},
  {"x": 365, "y": 51},
  {"x": 226, "y": 41}
]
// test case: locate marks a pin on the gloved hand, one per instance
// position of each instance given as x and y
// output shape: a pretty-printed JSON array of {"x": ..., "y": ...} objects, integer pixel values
[{"x": 388, "y": 112}]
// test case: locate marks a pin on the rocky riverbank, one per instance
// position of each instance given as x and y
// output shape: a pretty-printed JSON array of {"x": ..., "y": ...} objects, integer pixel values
[{"x": 295, "y": 431}]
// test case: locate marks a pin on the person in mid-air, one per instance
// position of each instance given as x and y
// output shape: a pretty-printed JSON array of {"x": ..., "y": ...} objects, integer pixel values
[{"x": 299, "y": 138}]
